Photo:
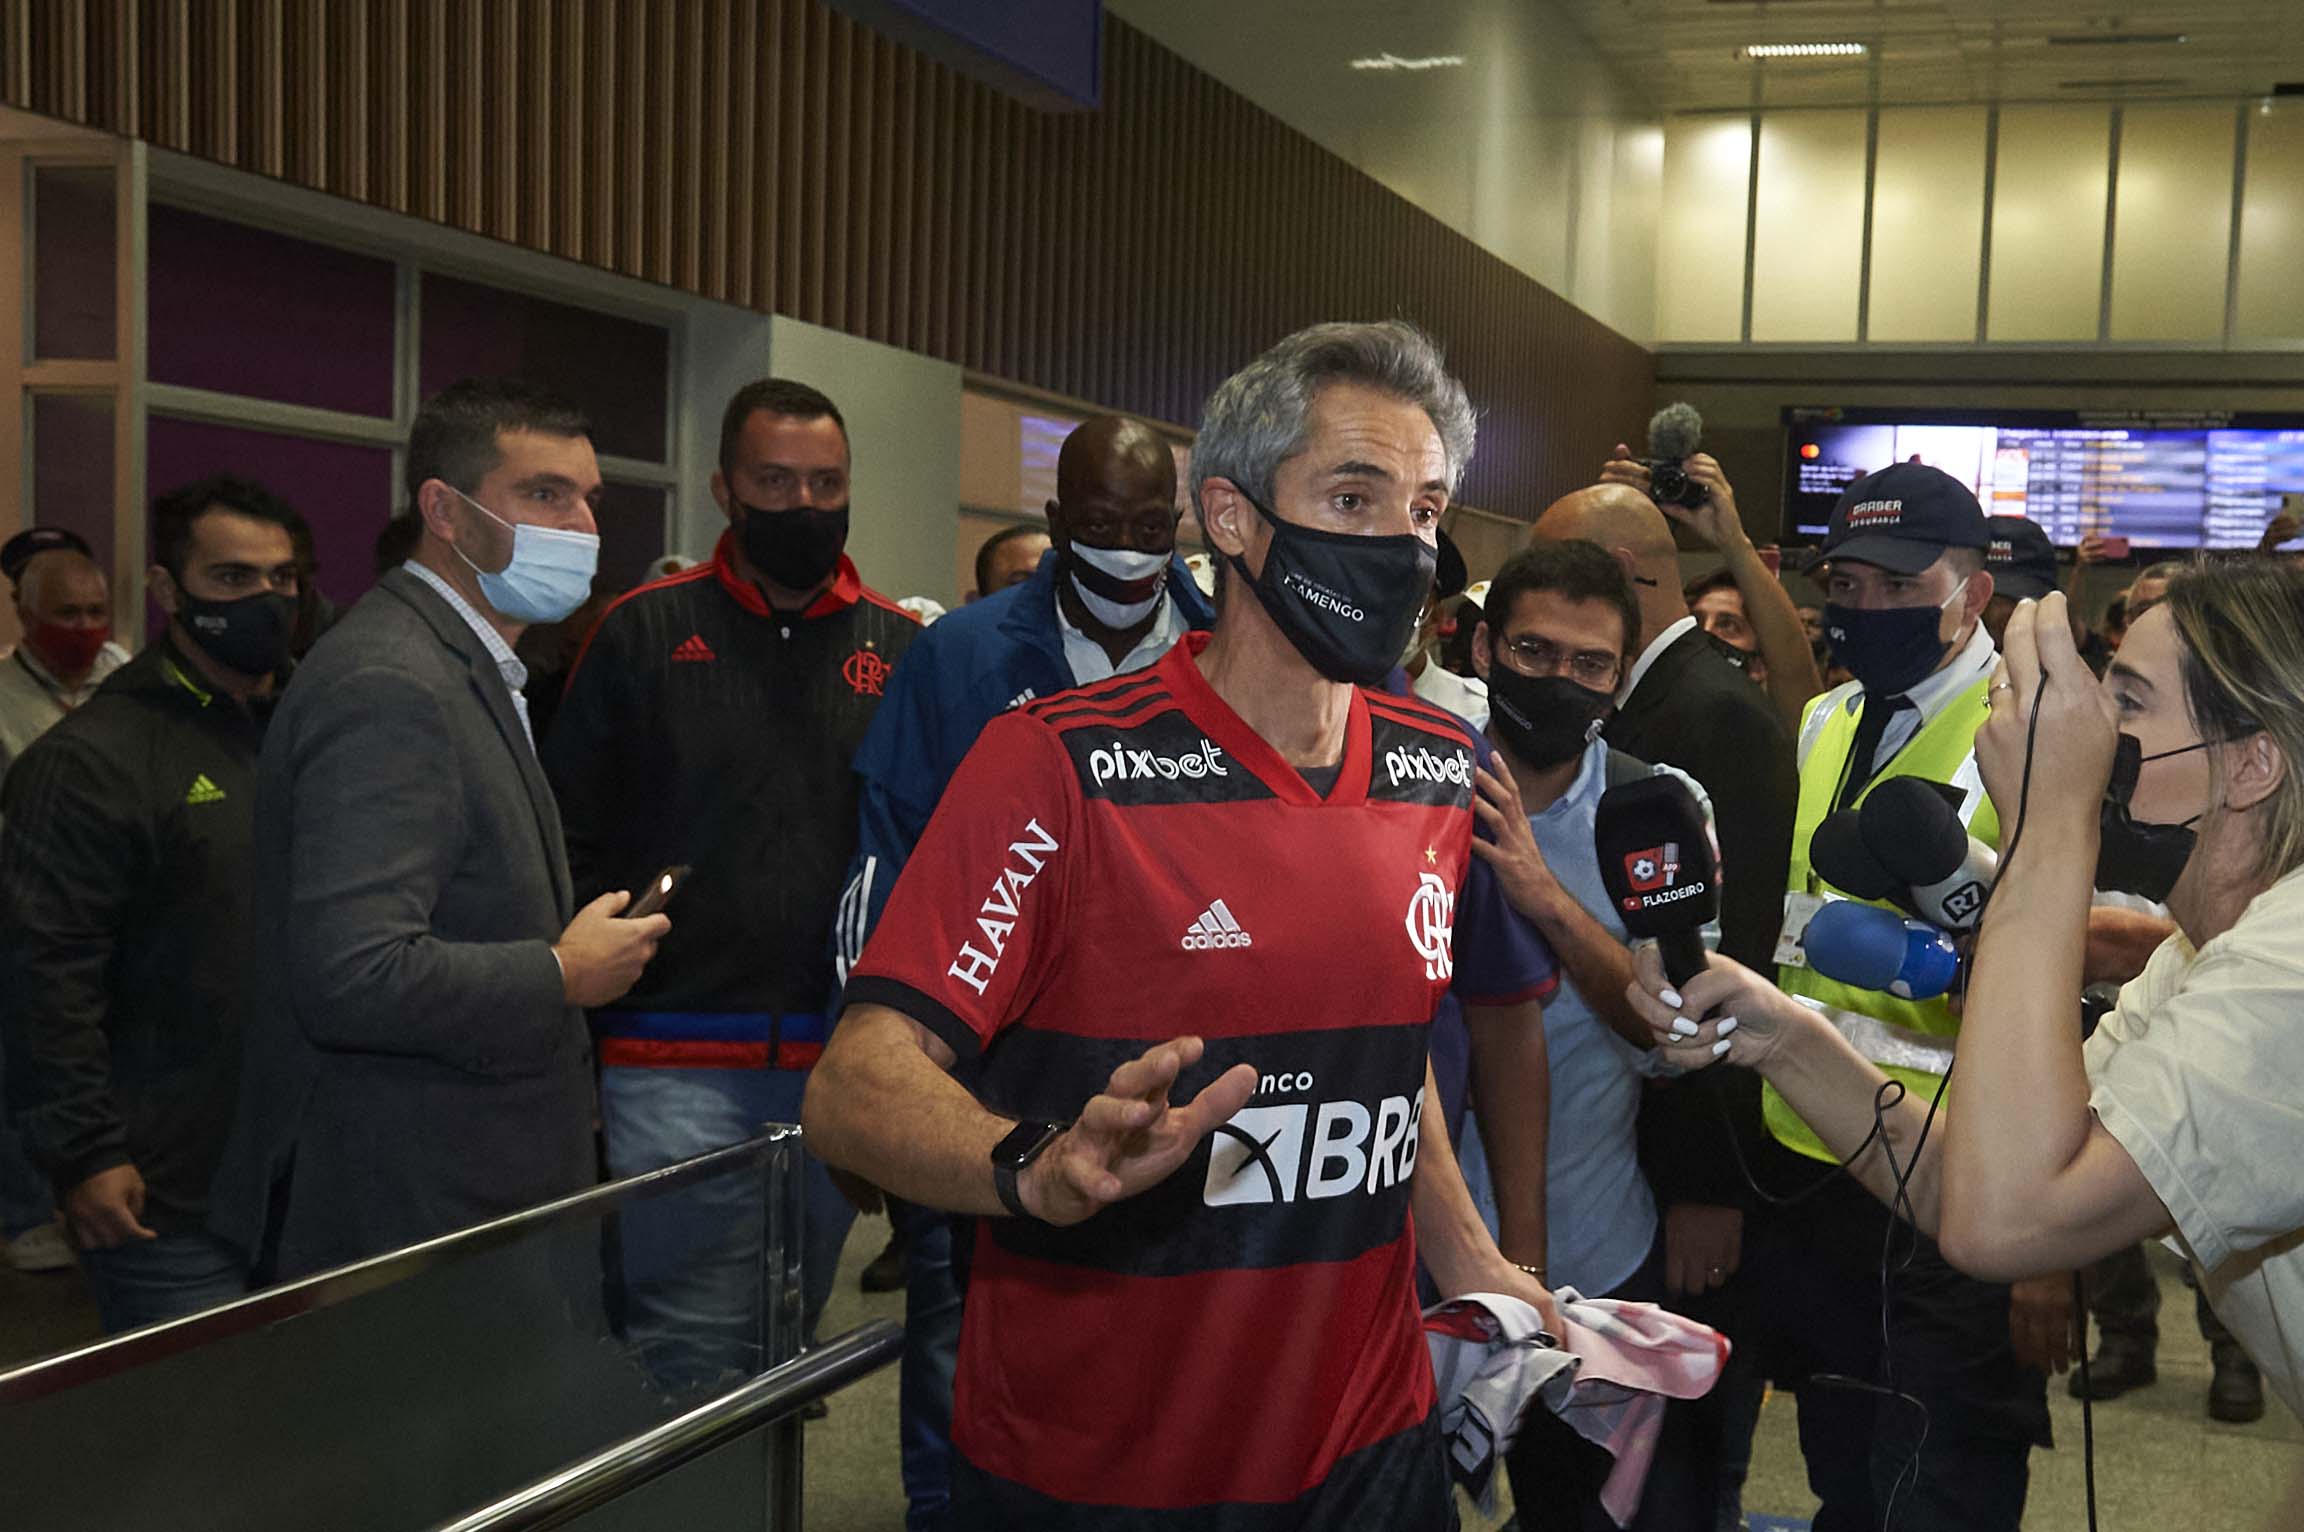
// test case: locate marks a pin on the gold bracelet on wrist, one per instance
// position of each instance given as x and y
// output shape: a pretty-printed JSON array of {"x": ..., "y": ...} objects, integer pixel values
[{"x": 1534, "y": 1271}]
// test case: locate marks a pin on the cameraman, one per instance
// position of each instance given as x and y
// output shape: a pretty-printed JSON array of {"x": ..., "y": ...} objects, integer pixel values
[
  {"x": 2181, "y": 1114},
  {"x": 1787, "y": 656}
]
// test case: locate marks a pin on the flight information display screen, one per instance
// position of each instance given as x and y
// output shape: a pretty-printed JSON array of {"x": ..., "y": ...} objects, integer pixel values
[{"x": 2161, "y": 481}]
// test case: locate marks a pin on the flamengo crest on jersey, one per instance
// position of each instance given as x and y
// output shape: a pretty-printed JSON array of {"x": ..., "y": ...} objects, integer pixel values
[{"x": 1432, "y": 925}]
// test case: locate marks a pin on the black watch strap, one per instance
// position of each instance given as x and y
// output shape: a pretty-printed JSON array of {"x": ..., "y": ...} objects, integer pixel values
[{"x": 1023, "y": 1144}]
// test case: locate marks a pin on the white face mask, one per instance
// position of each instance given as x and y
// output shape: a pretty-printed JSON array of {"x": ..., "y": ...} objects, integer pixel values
[
  {"x": 1118, "y": 586},
  {"x": 550, "y": 572}
]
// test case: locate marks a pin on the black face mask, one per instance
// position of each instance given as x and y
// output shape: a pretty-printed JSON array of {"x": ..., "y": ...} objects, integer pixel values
[
  {"x": 249, "y": 635},
  {"x": 1346, "y": 602},
  {"x": 2132, "y": 856},
  {"x": 1890, "y": 650},
  {"x": 1543, "y": 720},
  {"x": 796, "y": 548}
]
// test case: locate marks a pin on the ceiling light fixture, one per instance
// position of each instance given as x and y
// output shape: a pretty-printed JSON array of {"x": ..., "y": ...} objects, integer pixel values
[
  {"x": 1804, "y": 50},
  {"x": 1391, "y": 61}
]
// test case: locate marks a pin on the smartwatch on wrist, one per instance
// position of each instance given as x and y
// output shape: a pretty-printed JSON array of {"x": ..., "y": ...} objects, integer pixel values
[{"x": 1026, "y": 1142}]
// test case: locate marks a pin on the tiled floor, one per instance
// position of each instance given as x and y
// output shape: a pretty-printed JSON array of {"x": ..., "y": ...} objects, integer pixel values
[{"x": 2160, "y": 1463}]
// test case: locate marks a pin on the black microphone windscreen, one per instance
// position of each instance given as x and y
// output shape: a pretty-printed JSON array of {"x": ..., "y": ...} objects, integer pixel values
[
  {"x": 1657, "y": 859},
  {"x": 1675, "y": 432},
  {"x": 1914, "y": 830},
  {"x": 1840, "y": 857}
]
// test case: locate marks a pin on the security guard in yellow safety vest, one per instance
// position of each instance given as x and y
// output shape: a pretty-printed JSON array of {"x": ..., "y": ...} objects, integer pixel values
[{"x": 1905, "y": 585}]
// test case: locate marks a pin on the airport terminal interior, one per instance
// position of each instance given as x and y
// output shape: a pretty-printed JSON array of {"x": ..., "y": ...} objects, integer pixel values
[{"x": 1725, "y": 286}]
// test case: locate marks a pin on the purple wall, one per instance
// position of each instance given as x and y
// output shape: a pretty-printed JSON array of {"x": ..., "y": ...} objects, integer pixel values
[
  {"x": 246, "y": 311},
  {"x": 345, "y": 492}
]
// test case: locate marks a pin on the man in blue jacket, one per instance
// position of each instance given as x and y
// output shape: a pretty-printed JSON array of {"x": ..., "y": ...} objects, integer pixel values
[{"x": 1109, "y": 598}]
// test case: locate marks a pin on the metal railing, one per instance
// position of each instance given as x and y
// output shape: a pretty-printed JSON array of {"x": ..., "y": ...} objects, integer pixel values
[
  {"x": 121, "y": 1353},
  {"x": 776, "y": 1395},
  {"x": 536, "y": 1350}
]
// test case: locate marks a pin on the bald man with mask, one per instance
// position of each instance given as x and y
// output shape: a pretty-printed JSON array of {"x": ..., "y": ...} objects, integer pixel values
[
  {"x": 1685, "y": 703},
  {"x": 64, "y": 607},
  {"x": 1110, "y": 597}
]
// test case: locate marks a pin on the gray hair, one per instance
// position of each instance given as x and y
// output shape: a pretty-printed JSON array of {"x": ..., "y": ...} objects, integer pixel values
[{"x": 1257, "y": 418}]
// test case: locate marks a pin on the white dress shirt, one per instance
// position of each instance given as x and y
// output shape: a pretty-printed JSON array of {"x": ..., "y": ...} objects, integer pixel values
[
  {"x": 1088, "y": 662},
  {"x": 508, "y": 664}
]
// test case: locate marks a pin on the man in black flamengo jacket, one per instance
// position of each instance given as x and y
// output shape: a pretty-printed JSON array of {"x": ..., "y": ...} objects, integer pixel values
[
  {"x": 124, "y": 871},
  {"x": 710, "y": 723}
]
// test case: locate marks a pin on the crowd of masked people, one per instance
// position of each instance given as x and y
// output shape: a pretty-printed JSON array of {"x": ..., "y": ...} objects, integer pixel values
[{"x": 1154, "y": 939}]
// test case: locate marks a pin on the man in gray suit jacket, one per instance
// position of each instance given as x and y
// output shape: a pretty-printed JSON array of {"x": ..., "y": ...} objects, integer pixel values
[{"x": 417, "y": 1059}]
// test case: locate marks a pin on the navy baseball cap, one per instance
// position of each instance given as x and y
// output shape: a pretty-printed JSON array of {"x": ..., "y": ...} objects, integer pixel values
[
  {"x": 30, "y": 543},
  {"x": 2021, "y": 558},
  {"x": 1903, "y": 518}
]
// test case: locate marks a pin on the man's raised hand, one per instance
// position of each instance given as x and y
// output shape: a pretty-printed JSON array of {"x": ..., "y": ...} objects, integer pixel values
[{"x": 1132, "y": 1137}]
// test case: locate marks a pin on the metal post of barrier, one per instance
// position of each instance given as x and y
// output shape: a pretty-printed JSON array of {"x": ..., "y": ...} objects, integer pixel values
[{"x": 783, "y": 1191}]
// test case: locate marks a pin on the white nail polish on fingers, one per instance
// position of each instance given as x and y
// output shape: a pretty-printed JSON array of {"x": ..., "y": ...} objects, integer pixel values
[
  {"x": 1670, "y": 997},
  {"x": 1727, "y": 1025},
  {"x": 1683, "y": 1027},
  {"x": 1720, "y": 1047}
]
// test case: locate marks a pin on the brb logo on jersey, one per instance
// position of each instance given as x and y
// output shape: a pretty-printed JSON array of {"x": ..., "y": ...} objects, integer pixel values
[
  {"x": 1308, "y": 1151},
  {"x": 1421, "y": 765},
  {"x": 996, "y": 918},
  {"x": 1431, "y": 922},
  {"x": 1123, "y": 763}
]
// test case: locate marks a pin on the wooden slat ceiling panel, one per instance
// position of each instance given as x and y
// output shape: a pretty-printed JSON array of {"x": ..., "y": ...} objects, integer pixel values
[{"x": 775, "y": 154}]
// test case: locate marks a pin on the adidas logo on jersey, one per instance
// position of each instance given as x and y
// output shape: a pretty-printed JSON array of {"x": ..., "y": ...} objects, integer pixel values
[
  {"x": 1216, "y": 928},
  {"x": 203, "y": 791},
  {"x": 694, "y": 650}
]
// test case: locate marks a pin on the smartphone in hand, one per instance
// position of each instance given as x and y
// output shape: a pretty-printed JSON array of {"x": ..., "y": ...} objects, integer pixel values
[{"x": 657, "y": 894}]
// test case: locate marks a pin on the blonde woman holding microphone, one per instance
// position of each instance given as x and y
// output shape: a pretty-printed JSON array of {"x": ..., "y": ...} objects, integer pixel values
[{"x": 2180, "y": 777}]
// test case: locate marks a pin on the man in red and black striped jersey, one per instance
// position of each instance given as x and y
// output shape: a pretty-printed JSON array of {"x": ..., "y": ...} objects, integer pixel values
[
  {"x": 710, "y": 722},
  {"x": 1181, "y": 934}
]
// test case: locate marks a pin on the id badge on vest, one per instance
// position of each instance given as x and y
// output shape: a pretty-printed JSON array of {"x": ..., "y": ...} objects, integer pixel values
[{"x": 1800, "y": 907}]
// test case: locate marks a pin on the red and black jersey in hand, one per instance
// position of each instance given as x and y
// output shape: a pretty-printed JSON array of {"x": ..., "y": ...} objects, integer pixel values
[
  {"x": 702, "y": 728},
  {"x": 1130, "y": 862}
]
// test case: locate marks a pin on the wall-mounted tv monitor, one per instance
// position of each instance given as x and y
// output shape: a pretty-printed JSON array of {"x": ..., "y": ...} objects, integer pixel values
[{"x": 2160, "y": 480}]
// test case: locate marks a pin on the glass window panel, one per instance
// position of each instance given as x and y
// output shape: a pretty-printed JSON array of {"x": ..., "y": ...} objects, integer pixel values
[
  {"x": 2172, "y": 225},
  {"x": 72, "y": 467},
  {"x": 2048, "y": 222},
  {"x": 1808, "y": 245},
  {"x": 1927, "y": 224},
  {"x": 2271, "y": 297},
  {"x": 617, "y": 370},
  {"x": 1700, "y": 280},
  {"x": 344, "y": 490},
  {"x": 242, "y": 310},
  {"x": 75, "y": 233}
]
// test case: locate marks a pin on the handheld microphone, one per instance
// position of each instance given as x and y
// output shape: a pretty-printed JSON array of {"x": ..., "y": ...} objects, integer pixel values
[
  {"x": 1914, "y": 832},
  {"x": 1871, "y": 948},
  {"x": 1659, "y": 865},
  {"x": 1675, "y": 432},
  {"x": 1842, "y": 859}
]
